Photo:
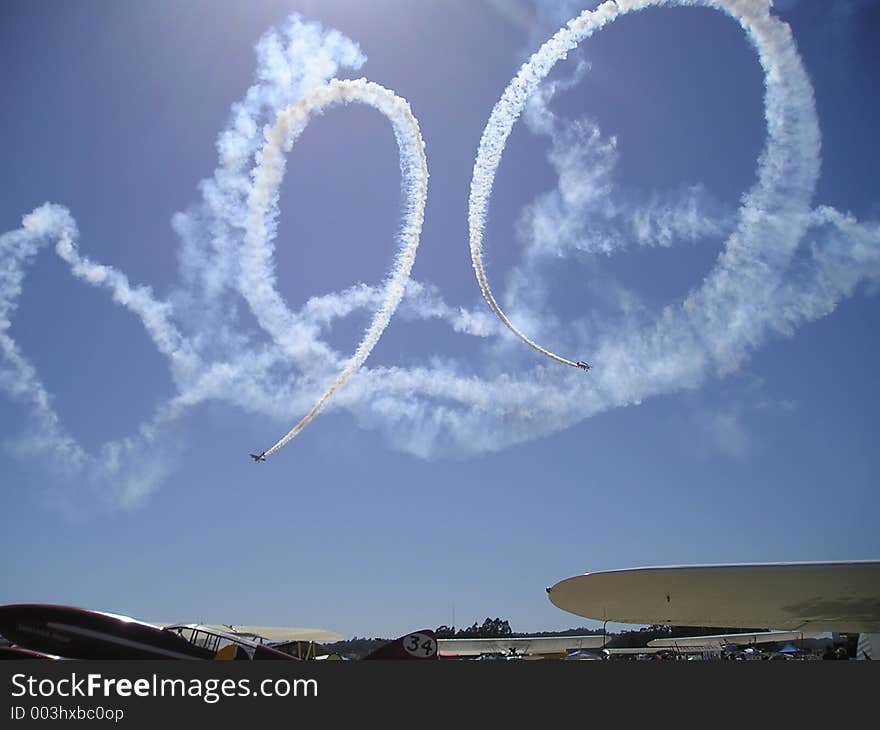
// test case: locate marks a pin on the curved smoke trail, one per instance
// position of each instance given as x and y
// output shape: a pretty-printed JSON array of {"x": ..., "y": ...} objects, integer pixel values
[
  {"x": 788, "y": 169},
  {"x": 257, "y": 282},
  {"x": 757, "y": 287}
]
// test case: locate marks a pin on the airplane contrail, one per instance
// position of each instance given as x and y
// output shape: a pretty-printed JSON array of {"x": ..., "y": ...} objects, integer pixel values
[
  {"x": 257, "y": 282},
  {"x": 784, "y": 75},
  {"x": 446, "y": 406}
]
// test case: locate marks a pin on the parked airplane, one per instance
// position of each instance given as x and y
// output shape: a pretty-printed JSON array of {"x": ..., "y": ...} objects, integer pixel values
[
  {"x": 418, "y": 645},
  {"x": 814, "y": 597},
  {"x": 77, "y": 633},
  {"x": 544, "y": 646},
  {"x": 224, "y": 644}
]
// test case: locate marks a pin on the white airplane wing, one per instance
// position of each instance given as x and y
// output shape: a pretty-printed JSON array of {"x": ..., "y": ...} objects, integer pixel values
[
  {"x": 268, "y": 633},
  {"x": 841, "y": 596},
  {"x": 282, "y": 633},
  {"x": 519, "y": 645},
  {"x": 716, "y": 642}
]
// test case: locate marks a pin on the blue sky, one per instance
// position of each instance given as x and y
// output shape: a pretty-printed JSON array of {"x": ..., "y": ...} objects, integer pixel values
[{"x": 723, "y": 284}]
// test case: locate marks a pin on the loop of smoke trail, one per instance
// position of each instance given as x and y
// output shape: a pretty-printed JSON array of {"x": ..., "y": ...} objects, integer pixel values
[
  {"x": 441, "y": 408},
  {"x": 788, "y": 168},
  {"x": 257, "y": 282}
]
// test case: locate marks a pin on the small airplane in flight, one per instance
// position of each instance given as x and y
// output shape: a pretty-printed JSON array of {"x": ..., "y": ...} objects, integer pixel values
[
  {"x": 585, "y": 366},
  {"x": 259, "y": 457}
]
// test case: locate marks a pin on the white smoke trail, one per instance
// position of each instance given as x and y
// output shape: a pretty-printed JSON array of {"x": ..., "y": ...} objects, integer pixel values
[
  {"x": 444, "y": 404},
  {"x": 789, "y": 166},
  {"x": 588, "y": 211},
  {"x": 292, "y": 60},
  {"x": 421, "y": 301},
  {"x": 257, "y": 281},
  {"x": 131, "y": 465}
]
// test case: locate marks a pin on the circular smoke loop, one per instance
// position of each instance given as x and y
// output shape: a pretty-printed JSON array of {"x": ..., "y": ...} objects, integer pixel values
[
  {"x": 257, "y": 282},
  {"x": 760, "y": 248}
]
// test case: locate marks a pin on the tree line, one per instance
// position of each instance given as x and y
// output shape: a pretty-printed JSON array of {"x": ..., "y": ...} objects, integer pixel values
[{"x": 494, "y": 628}]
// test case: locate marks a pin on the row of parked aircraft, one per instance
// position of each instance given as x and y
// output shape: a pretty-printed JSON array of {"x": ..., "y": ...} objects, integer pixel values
[
  {"x": 65, "y": 632},
  {"x": 795, "y": 601},
  {"x": 595, "y": 646},
  {"x": 840, "y": 597},
  {"x": 790, "y": 599}
]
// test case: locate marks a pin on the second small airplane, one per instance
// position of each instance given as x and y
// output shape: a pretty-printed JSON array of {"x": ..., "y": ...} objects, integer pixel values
[
  {"x": 259, "y": 457},
  {"x": 585, "y": 366}
]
